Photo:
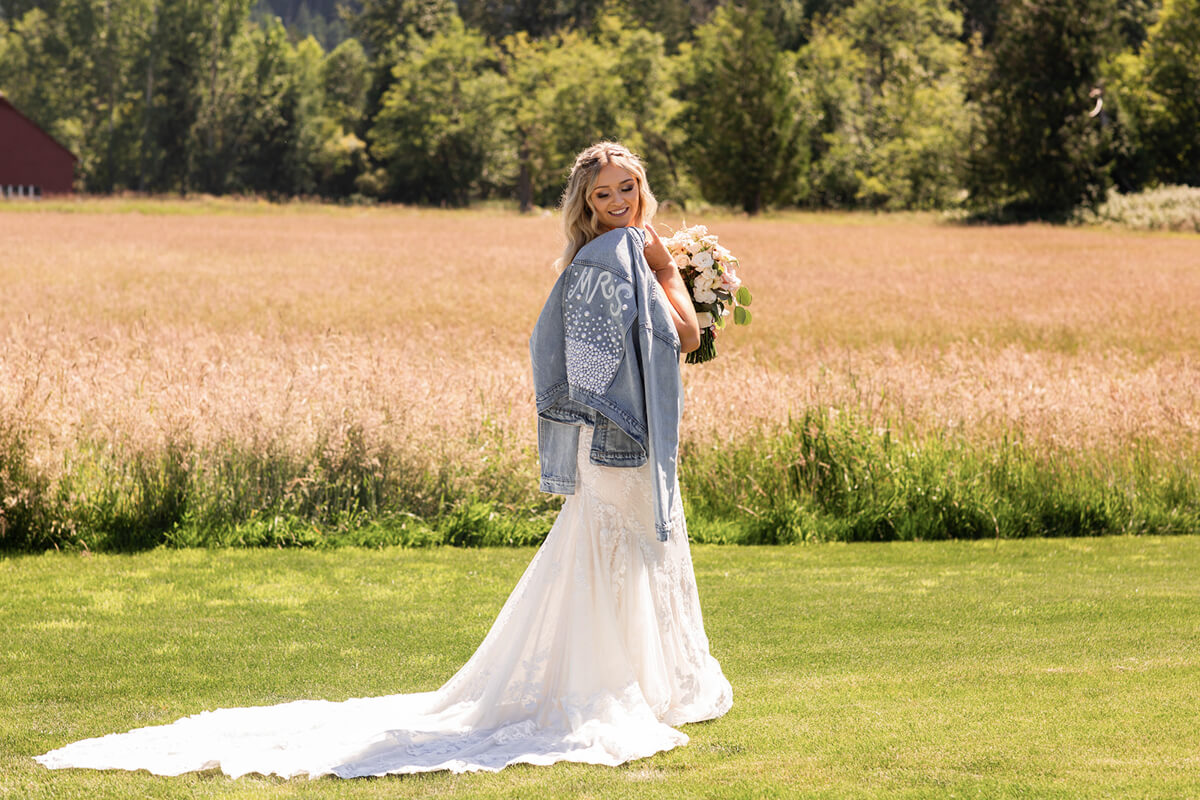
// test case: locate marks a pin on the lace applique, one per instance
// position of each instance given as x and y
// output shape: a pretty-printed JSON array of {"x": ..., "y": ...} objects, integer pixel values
[{"x": 615, "y": 496}]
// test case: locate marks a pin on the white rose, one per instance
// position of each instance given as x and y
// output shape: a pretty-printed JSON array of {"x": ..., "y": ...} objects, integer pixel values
[
  {"x": 704, "y": 295},
  {"x": 702, "y": 260},
  {"x": 705, "y": 319},
  {"x": 682, "y": 260}
]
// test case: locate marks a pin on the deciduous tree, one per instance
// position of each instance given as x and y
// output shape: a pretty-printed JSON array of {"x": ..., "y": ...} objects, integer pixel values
[
  {"x": 1171, "y": 115},
  {"x": 885, "y": 79},
  {"x": 440, "y": 123}
]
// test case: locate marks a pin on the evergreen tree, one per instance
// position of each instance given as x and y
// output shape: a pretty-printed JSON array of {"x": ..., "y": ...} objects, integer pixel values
[
  {"x": 214, "y": 93},
  {"x": 15, "y": 9},
  {"x": 1040, "y": 153},
  {"x": 536, "y": 18},
  {"x": 831, "y": 71},
  {"x": 346, "y": 76},
  {"x": 677, "y": 20},
  {"x": 742, "y": 113},
  {"x": 378, "y": 23},
  {"x": 281, "y": 128}
]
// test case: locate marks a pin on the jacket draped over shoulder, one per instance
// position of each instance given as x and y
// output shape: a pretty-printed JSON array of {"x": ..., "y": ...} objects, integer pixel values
[{"x": 605, "y": 353}]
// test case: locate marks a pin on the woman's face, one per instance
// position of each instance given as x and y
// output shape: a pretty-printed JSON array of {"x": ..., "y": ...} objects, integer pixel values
[{"x": 615, "y": 198}]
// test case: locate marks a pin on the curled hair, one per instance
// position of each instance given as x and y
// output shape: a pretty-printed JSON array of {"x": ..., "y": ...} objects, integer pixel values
[{"x": 579, "y": 222}]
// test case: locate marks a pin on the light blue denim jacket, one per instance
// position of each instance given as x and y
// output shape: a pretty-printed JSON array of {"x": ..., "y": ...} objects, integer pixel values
[{"x": 605, "y": 353}]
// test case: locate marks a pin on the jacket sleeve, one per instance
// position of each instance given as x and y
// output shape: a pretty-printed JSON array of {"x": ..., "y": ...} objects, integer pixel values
[{"x": 662, "y": 388}]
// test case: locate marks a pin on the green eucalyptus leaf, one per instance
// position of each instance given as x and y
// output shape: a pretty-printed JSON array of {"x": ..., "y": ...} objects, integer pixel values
[
  {"x": 743, "y": 296},
  {"x": 741, "y": 316}
]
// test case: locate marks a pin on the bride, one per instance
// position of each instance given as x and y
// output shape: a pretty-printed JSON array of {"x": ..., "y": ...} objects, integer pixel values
[{"x": 600, "y": 651}]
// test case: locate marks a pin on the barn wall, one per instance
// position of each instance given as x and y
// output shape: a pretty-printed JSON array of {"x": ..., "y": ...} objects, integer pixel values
[{"x": 30, "y": 157}]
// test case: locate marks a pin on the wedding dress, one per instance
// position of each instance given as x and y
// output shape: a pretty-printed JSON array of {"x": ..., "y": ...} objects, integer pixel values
[{"x": 597, "y": 655}]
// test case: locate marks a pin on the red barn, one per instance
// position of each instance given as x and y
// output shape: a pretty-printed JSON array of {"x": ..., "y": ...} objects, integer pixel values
[{"x": 32, "y": 163}]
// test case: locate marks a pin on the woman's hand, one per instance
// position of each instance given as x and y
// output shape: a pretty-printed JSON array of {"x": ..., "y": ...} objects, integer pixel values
[
  {"x": 683, "y": 313},
  {"x": 657, "y": 255}
]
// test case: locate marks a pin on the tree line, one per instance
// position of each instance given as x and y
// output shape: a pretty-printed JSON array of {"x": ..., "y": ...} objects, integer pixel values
[{"x": 1026, "y": 108}]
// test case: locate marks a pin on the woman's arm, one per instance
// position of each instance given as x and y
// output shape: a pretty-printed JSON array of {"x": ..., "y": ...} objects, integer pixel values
[{"x": 683, "y": 313}]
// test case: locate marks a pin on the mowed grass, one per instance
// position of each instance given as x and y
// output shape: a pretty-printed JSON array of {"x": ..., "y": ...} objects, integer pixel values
[
  {"x": 215, "y": 372},
  {"x": 1039, "y": 668}
]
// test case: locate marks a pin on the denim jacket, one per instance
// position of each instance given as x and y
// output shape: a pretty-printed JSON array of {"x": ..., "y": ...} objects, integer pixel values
[{"x": 605, "y": 353}]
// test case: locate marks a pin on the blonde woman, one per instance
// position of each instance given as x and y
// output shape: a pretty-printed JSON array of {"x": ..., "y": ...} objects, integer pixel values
[
  {"x": 600, "y": 650},
  {"x": 607, "y": 189}
]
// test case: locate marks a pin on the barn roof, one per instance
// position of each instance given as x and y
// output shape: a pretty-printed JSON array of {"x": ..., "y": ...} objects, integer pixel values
[{"x": 4, "y": 103}]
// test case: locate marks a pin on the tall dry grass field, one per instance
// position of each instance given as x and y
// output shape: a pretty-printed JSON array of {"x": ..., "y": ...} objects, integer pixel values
[{"x": 274, "y": 374}]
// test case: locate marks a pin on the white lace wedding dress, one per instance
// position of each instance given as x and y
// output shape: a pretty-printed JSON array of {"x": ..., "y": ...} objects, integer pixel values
[{"x": 597, "y": 654}]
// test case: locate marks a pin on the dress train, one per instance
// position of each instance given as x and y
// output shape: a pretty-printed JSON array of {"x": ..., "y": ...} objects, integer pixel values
[{"x": 597, "y": 654}]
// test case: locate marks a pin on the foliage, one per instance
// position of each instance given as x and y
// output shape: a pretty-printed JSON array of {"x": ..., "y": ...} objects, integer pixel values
[
  {"x": 25, "y": 519},
  {"x": 742, "y": 112},
  {"x": 346, "y": 77},
  {"x": 438, "y": 129},
  {"x": 537, "y": 18},
  {"x": 342, "y": 158},
  {"x": 1040, "y": 152},
  {"x": 827, "y": 476},
  {"x": 572, "y": 90},
  {"x": 1157, "y": 89},
  {"x": 883, "y": 84},
  {"x": 829, "y": 68},
  {"x": 319, "y": 19},
  {"x": 674, "y": 20},
  {"x": 90, "y": 100},
  {"x": 1170, "y": 208},
  {"x": 564, "y": 96},
  {"x": 914, "y": 104},
  {"x": 378, "y": 23},
  {"x": 824, "y": 476},
  {"x": 649, "y": 111}
]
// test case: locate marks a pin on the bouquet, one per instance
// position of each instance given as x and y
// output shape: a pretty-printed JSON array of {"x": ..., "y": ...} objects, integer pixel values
[{"x": 708, "y": 270}]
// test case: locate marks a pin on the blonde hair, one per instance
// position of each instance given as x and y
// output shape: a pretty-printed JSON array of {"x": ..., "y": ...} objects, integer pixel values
[{"x": 579, "y": 222}]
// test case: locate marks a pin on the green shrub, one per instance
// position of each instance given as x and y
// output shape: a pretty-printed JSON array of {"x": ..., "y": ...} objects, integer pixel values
[
  {"x": 25, "y": 520},
  {"x": 1167, "y": 208}
]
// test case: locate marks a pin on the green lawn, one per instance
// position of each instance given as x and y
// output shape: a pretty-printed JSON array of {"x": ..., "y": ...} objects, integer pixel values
[{"x": 994, "y": 669}]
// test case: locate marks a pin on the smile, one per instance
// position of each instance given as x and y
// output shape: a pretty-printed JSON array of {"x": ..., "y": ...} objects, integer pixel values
[{"x": 619, "y": 213}]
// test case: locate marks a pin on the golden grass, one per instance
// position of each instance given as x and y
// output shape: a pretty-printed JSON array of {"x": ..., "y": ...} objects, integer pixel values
[{"x": 412, "y": 325}]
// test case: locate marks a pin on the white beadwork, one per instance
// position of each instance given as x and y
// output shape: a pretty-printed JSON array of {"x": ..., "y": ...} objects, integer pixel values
[
  {"x": 589, "y": 366},
  {"x": 594, "y": 345}
]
